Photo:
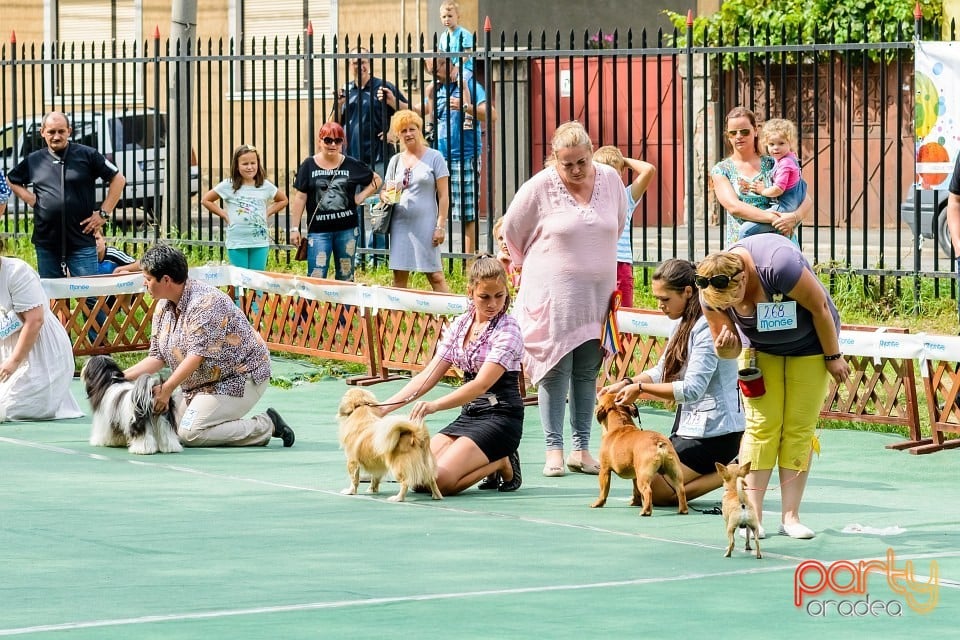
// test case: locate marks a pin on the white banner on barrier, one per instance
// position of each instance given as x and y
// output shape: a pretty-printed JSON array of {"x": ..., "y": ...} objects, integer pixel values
[
  {"x": 250, "y": 279},
  {"x": 94, "y": 286},
  {"x": 422, "y": 301},
  {"x": 216, "y": 275},
  {"x": 646, "y": 324},
  {"x": 879, "y": 344},
  {"x": 876, "y": 344},
  {"x": 332, "y": 292}
]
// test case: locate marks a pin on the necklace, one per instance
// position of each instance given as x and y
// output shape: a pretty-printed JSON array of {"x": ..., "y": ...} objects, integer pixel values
[{"x": 477, "y": 328}]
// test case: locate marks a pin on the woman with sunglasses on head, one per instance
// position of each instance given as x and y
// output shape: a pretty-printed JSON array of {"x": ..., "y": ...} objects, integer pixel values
[
  {"x": 419, "y": 219},
  {"x": 709, "y": 421},
  {"x": 738, "y": 179},
  {"x": 762, "y": 288},
  {"x": 327, "y": 191}
]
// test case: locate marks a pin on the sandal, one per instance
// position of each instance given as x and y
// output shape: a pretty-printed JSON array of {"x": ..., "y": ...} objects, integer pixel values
[{"x": 590, "y": 468}]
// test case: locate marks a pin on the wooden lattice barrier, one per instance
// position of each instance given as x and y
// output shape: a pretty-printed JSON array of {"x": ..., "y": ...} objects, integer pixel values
[
  {"x": 114, "y": 324},
  {"x": 881, "y": 389},
  {"x": 390, "y": 330},
  {"x": 407, "y": 339},
  {"x": 289, "y": 322},
  {"x": 941, "y": 384}
]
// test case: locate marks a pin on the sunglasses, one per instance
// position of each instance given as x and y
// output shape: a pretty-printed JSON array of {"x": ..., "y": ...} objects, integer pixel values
[
  {"x": 742, "y": 132},
  {"x": 721, "y": 281},
  {"x": 326, "y": 140}
]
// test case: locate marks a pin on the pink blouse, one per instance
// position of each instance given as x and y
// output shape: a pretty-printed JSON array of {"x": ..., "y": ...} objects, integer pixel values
[{"x": 568, "y": 253}]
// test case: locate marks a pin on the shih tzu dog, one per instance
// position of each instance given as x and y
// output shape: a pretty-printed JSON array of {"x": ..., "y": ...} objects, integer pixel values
[{"x": 123, "y": 414}]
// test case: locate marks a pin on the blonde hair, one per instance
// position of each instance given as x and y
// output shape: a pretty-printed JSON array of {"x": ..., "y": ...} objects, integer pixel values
[
  {"x": 403, "y": 119},
  {"x": 451, "y": 4},
  {"x": 715, "y": 264},
  {"x": 610, "y": 156},
  {"x": 570, "y": 134},
  {"x": 497, "y": 226},
  {"x": 780, "y": 128}
]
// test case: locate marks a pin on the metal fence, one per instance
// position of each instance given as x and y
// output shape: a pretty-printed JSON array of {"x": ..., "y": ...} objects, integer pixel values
[{"x": 852, "y": 102}]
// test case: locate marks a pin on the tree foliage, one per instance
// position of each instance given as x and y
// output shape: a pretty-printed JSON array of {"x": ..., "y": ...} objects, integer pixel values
[{"x": 772, "y": 22}]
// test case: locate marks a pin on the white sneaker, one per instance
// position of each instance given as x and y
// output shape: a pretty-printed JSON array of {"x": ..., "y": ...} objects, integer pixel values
[
  {"x": 760, "y": 532},
  {"x": 797, "y": 530}
]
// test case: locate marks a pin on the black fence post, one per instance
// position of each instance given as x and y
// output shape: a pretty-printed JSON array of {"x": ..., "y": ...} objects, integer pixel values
[{"x": 688, "y": 158}]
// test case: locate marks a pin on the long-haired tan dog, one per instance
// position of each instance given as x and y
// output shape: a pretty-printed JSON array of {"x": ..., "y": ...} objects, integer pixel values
[
  {"x": 738, "y": 513},
  {"x": 633, "y": 453},
  {"x": 380, "y": 444}
]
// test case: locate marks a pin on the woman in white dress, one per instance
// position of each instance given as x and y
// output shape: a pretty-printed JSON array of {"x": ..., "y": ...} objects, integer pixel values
[
  {"x": 36, "y": 359},
  {"x": 419, "y": 219}
]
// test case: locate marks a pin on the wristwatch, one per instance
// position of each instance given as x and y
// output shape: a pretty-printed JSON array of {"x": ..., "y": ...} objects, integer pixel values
[{"x": 104, "y": 214}]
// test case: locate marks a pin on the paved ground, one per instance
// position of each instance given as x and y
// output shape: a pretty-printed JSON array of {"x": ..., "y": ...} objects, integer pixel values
[{"x": 259, "y": 543}]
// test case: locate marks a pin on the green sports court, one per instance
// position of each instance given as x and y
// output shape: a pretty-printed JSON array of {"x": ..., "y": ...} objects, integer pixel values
[{"x": 259, "y": 543}]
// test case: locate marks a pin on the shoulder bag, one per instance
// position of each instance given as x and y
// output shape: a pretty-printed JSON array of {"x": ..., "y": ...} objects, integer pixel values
[{"x": 381, "y": 213}]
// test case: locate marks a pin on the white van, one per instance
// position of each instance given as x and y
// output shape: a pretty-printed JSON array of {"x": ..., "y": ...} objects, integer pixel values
[{"x": 132, "y": 140}]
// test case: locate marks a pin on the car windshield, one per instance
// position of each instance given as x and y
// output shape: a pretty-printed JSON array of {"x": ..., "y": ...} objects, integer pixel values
[{"x": 140, "y": 131}]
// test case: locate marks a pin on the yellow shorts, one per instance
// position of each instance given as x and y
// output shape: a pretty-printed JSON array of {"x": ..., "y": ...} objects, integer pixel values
[{"x": 781, "y": 423}]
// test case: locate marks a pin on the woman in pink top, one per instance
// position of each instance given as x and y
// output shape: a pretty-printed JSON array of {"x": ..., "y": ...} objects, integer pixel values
[{"x": 561, "y": 229}]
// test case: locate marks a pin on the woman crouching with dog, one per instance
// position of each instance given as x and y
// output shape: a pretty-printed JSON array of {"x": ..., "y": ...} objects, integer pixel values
[
  {"x": 486, "y": 344},
  {"x": 710, "y": 420}
]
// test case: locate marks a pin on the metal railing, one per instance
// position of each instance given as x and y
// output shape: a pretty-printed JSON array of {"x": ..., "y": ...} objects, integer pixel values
[{"x": 852, "y": 102}]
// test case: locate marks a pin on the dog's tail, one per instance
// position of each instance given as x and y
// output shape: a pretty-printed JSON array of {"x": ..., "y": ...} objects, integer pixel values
[
  {"x": 742, "y": 490},
  {"x": 396, "y": 434}
]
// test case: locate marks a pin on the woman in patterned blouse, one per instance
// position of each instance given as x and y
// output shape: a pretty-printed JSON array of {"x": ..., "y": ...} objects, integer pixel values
[{"x": 222, "y": 364}]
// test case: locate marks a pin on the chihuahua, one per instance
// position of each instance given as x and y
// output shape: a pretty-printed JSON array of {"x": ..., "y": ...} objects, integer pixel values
[
  {"x": 633, "y": 453},
  {"x": 738, "y": 513}
]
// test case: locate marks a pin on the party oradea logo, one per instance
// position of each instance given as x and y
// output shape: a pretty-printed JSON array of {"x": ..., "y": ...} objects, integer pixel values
[{"x": 843, "y": 588}]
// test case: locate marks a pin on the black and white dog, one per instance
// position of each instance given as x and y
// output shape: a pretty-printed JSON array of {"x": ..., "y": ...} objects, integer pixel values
[{"x": 123, "y": 411}]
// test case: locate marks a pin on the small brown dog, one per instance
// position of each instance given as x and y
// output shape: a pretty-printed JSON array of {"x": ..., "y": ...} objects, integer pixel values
[
  {"x": 738, "y": 513},
  {"x": 380, "y": 444},
  {"x": 633, "y": 453}
]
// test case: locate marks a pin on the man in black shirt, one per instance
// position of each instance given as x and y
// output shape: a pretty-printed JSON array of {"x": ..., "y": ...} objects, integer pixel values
[
  {"x": 364, "y": 108},
  {"x": 64, "y": 200},
  {"x": 66, "y": 215}
]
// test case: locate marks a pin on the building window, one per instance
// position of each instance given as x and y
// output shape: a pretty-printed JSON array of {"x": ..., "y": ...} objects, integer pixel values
[
  {"x": 272, "y": 36},
  {"x": 96, "y": 36}
]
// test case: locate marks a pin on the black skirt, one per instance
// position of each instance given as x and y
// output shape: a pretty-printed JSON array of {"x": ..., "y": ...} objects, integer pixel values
[{"x": 495, "y": 426}]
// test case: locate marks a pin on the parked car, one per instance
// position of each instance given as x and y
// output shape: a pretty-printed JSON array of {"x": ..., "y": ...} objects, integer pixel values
[
  {"x": 132, "y": 140},
  {"x": 933, "y": 216}
]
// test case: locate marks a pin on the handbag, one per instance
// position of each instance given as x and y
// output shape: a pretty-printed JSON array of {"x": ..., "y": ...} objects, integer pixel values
[
  {"x": 381, "y": 212},
  {"x": 301, "y": 250},
  {"x": 380, "y": 215}
]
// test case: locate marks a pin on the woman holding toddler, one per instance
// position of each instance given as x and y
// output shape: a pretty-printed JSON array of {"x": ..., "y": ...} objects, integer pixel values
[{"x": 739, "y": 178}]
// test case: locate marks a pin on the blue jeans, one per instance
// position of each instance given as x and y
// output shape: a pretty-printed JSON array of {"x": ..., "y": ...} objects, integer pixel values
[
  {"x": 341, "y": 244},
  {"x": 576, "y": 375},
  {"x": 80, "y": 262}
]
